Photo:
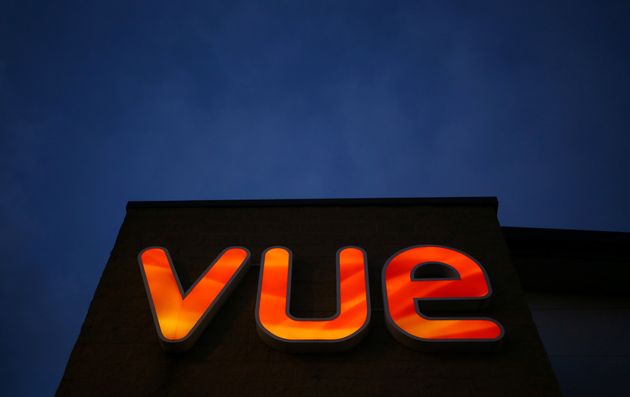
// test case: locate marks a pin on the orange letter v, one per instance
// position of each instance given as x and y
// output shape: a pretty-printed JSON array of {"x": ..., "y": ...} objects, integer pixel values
[{"x": 181, "y": 317}]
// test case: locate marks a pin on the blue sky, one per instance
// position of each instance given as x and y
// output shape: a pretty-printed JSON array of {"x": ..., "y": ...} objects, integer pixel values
[{"x": 105, "y": 103}]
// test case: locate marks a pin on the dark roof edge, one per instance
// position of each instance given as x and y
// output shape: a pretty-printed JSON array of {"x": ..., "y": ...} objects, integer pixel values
[{"x": 408, "y": 201}]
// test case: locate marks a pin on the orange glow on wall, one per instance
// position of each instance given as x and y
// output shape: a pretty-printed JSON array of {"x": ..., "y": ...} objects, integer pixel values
[
  {"x": 281, "y": 330},
  {"x": 401, "y": 293},
  {"x": 179, "y": 316}
]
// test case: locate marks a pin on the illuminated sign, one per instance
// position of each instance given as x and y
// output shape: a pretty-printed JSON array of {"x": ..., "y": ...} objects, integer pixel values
[
  {"x": 343, "y": 330},
  {"x": 416, "y": 279},
  {"x": 181, "y": 316},
  {"x": 438, "y": 277}
]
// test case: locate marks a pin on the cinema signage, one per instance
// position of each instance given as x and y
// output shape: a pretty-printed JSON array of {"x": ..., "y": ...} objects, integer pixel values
[{"x": 438, "y": 277}]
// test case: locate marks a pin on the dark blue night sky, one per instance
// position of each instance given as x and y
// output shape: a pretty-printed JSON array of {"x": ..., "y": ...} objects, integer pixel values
[{"x": 105, "y": 103}]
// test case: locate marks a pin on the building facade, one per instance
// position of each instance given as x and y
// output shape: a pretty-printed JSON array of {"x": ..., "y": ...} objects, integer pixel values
[{"x": 118, "y": 351}]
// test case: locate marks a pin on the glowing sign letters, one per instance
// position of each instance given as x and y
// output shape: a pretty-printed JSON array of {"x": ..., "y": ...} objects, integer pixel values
[
  {"x": 281, "y": 330},
  {"x": 180, "y": 317},
  {"x": 433, "y": 277},
  {"x": 459, "y": 277}
]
